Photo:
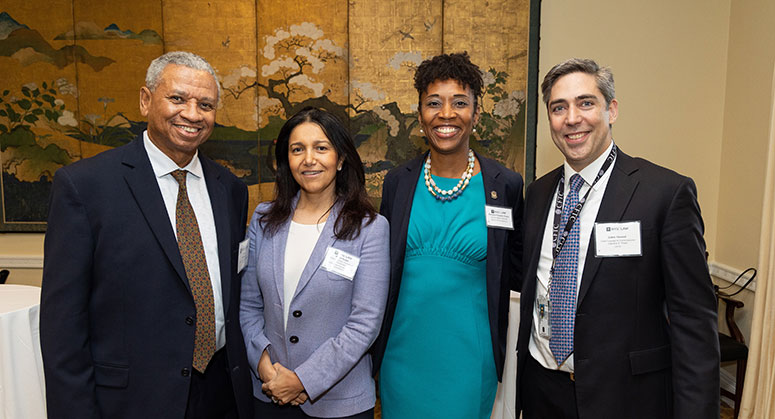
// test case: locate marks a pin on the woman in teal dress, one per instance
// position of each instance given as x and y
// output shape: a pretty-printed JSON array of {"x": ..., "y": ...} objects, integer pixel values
[{"x": 456, "y": 244}]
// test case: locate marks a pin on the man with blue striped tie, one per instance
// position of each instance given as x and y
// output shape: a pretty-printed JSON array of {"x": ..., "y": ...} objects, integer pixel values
[{"x": 618, "y": 314}]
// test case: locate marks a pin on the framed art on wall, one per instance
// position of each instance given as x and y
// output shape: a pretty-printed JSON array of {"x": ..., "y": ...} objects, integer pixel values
[{"x": 72, "y": 75}]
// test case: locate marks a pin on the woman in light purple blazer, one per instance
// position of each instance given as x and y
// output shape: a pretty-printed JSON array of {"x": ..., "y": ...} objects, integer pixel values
[{"x": 315, "y": 288}]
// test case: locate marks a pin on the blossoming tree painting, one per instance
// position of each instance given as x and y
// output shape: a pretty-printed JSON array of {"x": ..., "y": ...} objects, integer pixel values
[{"x": 73, "y": 84}]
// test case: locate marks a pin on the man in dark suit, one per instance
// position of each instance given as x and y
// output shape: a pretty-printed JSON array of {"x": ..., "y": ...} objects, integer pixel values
[
  {"x": 618, "y": 314},
  {"x": 140, "y": 298}
]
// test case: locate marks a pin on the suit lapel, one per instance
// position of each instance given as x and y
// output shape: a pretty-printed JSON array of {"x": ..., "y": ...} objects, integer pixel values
[
  {"x": 494, "y": 194},
  {"x": 219, "y": 201},
  {"x": 618, "y": 194},
  {"x": 402, "y": 210},
  {"x": 279, "y": 241},
  {"x": 142, "y": 182},
  {"x": 325, "y": 240},
  {"x": 537, "y": 208}
]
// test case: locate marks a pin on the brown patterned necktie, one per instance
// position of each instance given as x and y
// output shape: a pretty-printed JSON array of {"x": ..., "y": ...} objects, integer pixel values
[{"x": 193, "y": 254}]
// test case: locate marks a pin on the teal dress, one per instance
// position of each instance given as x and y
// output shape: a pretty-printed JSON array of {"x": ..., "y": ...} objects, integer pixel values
[{"x": 439, "y": 361}]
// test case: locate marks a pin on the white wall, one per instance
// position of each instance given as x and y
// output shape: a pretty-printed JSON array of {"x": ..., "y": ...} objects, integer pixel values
[{"x": 669, "y": 65}]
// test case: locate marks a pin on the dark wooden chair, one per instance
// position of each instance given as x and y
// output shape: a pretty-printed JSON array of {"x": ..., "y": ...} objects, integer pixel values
[
  {"x": 733, "y": 348},
  {"x": 4, "y": 275}
]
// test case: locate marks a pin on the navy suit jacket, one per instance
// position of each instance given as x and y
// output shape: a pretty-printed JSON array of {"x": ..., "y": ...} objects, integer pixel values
[
  {"x": 502, "y": 187},
  {"x": 645, "y": 338},
  {"x": 116, "y": 314}
]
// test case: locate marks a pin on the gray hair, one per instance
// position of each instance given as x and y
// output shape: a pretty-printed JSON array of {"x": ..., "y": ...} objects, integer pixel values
[
  {"x": 184, "y": 58},
  {"x": 603, "y": 76}
]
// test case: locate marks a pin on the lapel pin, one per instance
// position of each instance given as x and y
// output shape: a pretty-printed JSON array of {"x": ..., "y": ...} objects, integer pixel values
[{"x": 494, "y": 195}]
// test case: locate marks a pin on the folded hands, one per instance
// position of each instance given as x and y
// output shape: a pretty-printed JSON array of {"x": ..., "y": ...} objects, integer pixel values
[{"x": 280, "y": 384}]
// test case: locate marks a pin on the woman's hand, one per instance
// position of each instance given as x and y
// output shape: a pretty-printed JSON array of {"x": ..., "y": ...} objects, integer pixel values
[
  {"x": 285, "y": 386},
  {"x": 266, "y": 371},
  {"x": 301, "y": 399}
]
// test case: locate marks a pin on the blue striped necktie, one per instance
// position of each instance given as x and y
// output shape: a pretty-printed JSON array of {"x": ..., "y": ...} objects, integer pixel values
[{"x": 562, "y": 292}]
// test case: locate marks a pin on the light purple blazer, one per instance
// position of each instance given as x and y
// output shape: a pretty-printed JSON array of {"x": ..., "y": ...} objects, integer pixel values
[{"x": 332, "y": 320}]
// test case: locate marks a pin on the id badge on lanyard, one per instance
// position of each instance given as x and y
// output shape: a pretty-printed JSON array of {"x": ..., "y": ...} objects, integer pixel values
[
  {"x": 543, "y": 302},
  {"x": 544, "y": 306}
]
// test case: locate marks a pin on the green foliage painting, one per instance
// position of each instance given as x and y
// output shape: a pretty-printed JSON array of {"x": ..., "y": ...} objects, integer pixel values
[{"x": 73, "y": 78}]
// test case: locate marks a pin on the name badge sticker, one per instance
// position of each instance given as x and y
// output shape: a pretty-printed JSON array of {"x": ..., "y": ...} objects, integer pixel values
[
  {"x": 617, "y": 239},
  {"x": 341, "y": 263},
  {"x": 242, "y": 258},
  {"x": 498, "y": 217}
]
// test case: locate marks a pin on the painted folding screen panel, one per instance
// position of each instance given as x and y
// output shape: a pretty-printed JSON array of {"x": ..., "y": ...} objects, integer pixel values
[{"x": 72, "y": 71}]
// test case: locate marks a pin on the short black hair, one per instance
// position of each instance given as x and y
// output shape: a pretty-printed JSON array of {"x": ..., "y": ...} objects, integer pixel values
[{"x": 455, "y": 66}]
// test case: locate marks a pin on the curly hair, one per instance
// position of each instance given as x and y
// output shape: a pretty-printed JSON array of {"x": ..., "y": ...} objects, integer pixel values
[
  {"x": 350, "y": 181},
  {"x": 455, "y": 66}
]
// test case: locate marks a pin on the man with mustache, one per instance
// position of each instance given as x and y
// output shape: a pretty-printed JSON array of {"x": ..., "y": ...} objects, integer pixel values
[{"x": 140, "y": 296}]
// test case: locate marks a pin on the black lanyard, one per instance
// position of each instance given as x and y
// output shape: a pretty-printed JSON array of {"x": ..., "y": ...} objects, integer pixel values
[{"x": 557, "y": 239}]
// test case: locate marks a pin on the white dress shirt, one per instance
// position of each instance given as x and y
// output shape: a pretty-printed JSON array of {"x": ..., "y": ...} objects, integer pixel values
[
  {"x": 539, "y": 346},
  {"x": 196, "y": 186}
]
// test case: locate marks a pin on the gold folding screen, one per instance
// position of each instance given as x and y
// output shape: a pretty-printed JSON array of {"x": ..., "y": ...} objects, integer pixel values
[{"x": 72, "y": 70}]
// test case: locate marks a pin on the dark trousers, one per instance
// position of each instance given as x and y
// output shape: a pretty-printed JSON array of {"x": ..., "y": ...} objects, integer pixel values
[
  {"x": 211, "y": 395},
  {"x": 270, "y": 410},
  {"x": 547, "y": 394}
]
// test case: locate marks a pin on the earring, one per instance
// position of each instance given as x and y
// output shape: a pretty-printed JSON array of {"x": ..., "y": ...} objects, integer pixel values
[
  {"x": 474, "y": 129},
  {"x": 421, "y": 131},
  {"x": 339, "y": 169}
]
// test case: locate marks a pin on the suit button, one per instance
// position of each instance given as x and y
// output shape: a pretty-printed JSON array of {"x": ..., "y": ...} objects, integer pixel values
[
  {"x": 189, "y": 320},
  {"x": 185, "y": 372},
  {"x": 294, "y": 339},
  {"x": 297, "y": 313}
]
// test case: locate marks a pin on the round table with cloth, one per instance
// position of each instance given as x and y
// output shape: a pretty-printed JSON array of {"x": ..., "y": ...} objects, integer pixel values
[{"x": 22, "y": 388}]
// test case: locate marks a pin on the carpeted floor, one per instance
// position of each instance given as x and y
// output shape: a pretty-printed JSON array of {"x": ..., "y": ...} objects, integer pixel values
[{"x": 726, "y": 411}]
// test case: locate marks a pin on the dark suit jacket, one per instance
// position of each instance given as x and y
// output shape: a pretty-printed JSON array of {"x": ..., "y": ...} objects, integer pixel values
[
  {"x": 504, "y": 247},
  {"x": 646, "y": 343},
  {"x": 116, "y": 314}
]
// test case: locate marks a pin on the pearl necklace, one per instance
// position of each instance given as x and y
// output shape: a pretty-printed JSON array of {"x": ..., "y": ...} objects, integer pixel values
[{"x": 448, "y": 195}]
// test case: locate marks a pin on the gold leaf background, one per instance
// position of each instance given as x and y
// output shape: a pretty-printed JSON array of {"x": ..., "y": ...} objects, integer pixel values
[{"x": 372, "y": 49}]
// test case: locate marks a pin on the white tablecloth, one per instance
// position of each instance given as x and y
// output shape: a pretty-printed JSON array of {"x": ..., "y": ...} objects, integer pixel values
[
  {"x": 22, "y": 392},
  {"x": 505, "y": 399}
]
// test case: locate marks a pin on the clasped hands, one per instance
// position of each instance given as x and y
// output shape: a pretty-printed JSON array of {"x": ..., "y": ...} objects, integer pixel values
[{"x": 280, "y": 384}]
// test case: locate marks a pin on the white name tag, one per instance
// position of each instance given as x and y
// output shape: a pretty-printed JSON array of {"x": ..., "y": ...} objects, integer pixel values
[
  {"x": 498, "y": 217},
  {"x": 242, "y": 256},
  {"x": 617, "y": 239},
  {"x": 340, "y": 263}
]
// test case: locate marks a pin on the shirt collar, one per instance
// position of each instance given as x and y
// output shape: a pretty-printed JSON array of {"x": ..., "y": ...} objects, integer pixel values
[
  {"x": 589, "y": 173},
  {"x": 163, "y": 165}
]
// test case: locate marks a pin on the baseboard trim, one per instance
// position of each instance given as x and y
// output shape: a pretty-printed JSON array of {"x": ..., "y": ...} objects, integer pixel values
[
  {"x": 728, "y": 274},
  {"x": 21, "y": 262}
]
